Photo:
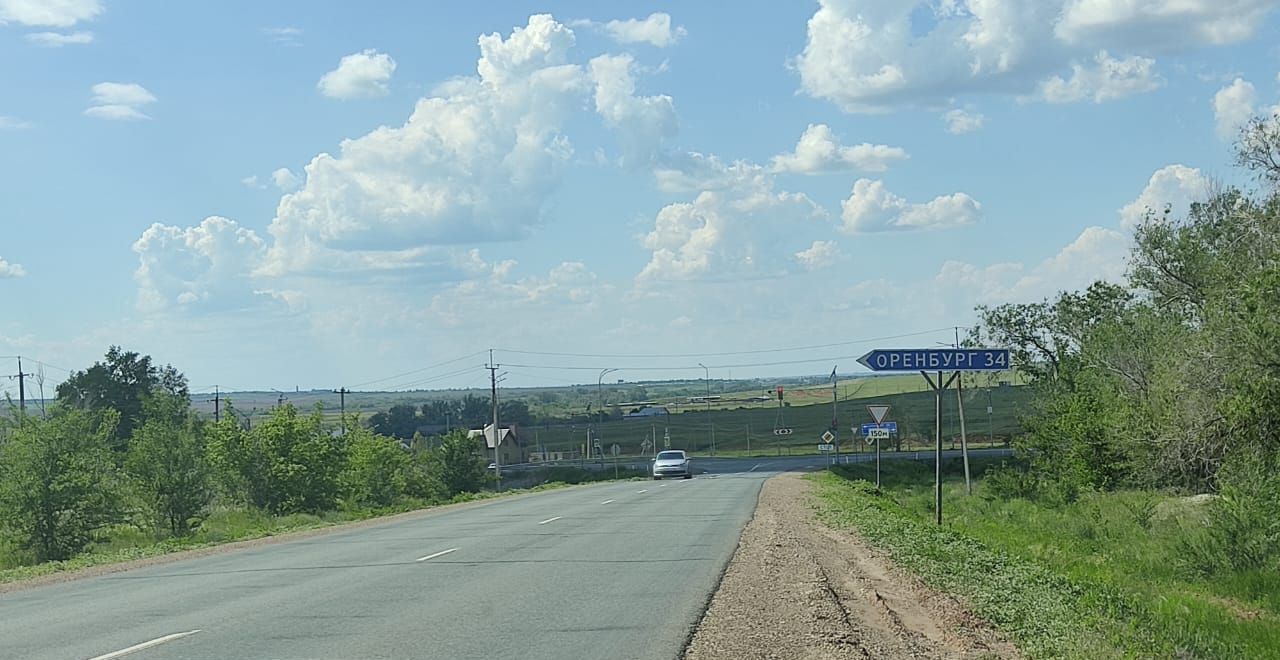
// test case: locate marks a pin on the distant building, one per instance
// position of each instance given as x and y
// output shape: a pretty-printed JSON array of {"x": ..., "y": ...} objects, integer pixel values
[
  {"x": 648, "y": 411},
  {"x": 511, "y": 448}
]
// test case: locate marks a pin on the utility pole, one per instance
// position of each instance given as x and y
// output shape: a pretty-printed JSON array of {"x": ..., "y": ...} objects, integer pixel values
[
  {"x": 217, "y": 405},
  {"x": 707, "y": 378},
  {"x": 835, "y": 425},
  {"x": 497, "y": 437},
  {"x": 22, "y": 386},
  {"x": 342, "y": 406}
]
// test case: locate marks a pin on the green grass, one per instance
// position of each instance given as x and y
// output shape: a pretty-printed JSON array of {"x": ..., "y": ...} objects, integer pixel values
[{"x": 1102, "y": 576}]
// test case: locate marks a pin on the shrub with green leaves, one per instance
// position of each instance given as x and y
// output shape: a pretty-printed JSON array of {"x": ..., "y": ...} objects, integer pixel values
[
  {"x": 58, "y": 482},
  {"x": 378, "y": 469},
  {"x": 166, "y": 463}
]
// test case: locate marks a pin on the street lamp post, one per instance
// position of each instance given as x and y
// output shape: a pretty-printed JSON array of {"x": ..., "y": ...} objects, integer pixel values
[
  {"x": 707, "y": 377},
  {"x": 599, "y": 402}
]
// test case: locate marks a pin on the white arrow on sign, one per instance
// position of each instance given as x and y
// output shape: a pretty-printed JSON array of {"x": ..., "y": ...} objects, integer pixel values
[{"x": 878, "y": 411}]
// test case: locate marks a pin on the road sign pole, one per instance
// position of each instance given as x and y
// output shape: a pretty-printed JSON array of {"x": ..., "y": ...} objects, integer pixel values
[
  {"x": 877, "y": 464},
  {"x": 937, "y": 457},
  {"x": 938, "y": 388}
]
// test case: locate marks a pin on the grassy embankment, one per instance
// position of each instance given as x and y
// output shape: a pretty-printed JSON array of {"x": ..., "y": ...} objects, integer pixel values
[
  {"x": 225, "y": 525},
  {"x": 1109, "y": 575}
]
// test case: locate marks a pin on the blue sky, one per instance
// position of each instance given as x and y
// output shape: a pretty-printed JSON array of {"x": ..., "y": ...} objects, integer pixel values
[{"x": 319, "y": 194}]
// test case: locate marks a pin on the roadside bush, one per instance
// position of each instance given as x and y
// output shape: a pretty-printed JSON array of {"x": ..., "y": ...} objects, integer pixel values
[
  {"x": 459, "y": 465},
  {"x": 58, "y": 483},
  {"x": 287, "y": 464},
  {"x": 1007, "y": 481},
  {"x": 167, "y": 466},
  {"x": 1243, "y": 531},
  {"x": 377, "y": 471}
]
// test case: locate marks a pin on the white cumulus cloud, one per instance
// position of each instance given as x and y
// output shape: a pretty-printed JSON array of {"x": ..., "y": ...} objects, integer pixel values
[
  {"x": 655, "y": 30},
  {"x": 742, "y": 229},
  {"x": 1174, "y": 187},
  {"x": 961, "y": 121},
  {"x": 872, "y": 208},
  {"x": 58, "y": 39},
  {"x": 208, "y": 266},
  {"x": 1108, "y": 78},
  {"x": 642, "y": 122},
  {"x": 119, "y": 101},
  {"x": 50, "y": 13},
  {"x": 818, "y": 151},
  {"x": 359, "y": 75},
  {"x": 871, "y": 56},
  {"x": 285, "y": 179},
  {"x": 473, "y": 162},
  {"x": 819, "y": 255},
  {"x": 11, "y": 270},
  {"x": 1162, "y": 23},
  {"x": 1097, "y": 254},
  {"x": 1233, "y": 105}
]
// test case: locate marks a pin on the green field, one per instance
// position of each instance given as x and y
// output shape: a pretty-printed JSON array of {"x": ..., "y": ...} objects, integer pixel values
[
  {"x": 914, "y": 412},
  {"x": 1105, "y": 576}
]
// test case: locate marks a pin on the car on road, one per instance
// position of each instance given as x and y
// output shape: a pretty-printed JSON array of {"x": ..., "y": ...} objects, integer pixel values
[{"x": 672, "y": 463}]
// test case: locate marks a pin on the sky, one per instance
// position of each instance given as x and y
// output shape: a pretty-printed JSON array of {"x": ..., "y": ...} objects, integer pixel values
[{"x": 324, "y": 195}]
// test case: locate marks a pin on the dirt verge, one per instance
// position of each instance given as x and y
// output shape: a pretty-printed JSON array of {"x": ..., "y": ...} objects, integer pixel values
[{"x": 797, "y": 589}]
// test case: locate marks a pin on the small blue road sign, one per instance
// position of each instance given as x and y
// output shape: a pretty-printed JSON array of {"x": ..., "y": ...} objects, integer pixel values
[{"x": 892, "y": 427}]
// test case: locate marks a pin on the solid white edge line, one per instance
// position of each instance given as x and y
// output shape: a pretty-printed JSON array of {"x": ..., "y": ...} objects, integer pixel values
[
  {"x": 550, "y": 520},
  {"x": 608, "y": 501},
  {"x": 438, "y": 554},
  {"x": 145, "y": 645}
]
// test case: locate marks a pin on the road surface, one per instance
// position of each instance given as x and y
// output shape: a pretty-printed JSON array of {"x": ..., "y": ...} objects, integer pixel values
[
  {"x": 618, "y": 570},
  {"x": 735, "y": 465}
]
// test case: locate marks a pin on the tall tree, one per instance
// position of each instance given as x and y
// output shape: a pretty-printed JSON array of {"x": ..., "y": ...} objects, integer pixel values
[{"x": 122, "y": 382}]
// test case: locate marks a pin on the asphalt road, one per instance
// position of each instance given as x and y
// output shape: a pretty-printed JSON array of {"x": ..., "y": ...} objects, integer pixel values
[
  {"x": 618, "y": 570},
  {"x": 737, "y": 465}
]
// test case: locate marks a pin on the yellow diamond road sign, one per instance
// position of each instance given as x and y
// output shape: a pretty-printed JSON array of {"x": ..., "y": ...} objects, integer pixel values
[{"x": 827, "y": 437}]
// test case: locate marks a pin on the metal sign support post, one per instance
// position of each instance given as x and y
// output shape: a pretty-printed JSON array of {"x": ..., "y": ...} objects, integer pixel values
[
  {"x": 877, "y": 464},
  {"x": 938, "y": 388}
]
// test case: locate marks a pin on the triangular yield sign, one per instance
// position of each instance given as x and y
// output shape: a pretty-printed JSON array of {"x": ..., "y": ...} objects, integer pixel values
[{"x": 878, "y": 412}]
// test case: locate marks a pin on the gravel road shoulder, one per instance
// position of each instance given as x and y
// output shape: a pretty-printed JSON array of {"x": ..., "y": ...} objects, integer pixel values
[{"x": 797, "y": 589}]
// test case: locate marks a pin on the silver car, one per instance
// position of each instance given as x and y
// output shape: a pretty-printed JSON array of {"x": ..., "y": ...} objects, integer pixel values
[{"x": 672, "y": 463}]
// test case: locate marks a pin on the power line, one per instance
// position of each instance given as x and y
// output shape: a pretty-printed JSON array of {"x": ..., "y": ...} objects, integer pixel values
[
  {"x": 433, "y": 379},
  {"x": 687, "y": 368},
  {"x": 727, "y": 353},
  {"x": 416, "y": 371}
]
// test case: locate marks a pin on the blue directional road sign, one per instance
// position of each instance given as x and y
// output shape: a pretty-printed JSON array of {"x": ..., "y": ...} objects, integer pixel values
[
  {"x": 936, "y": 359},
  {"x": 892, "y": 427}
]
